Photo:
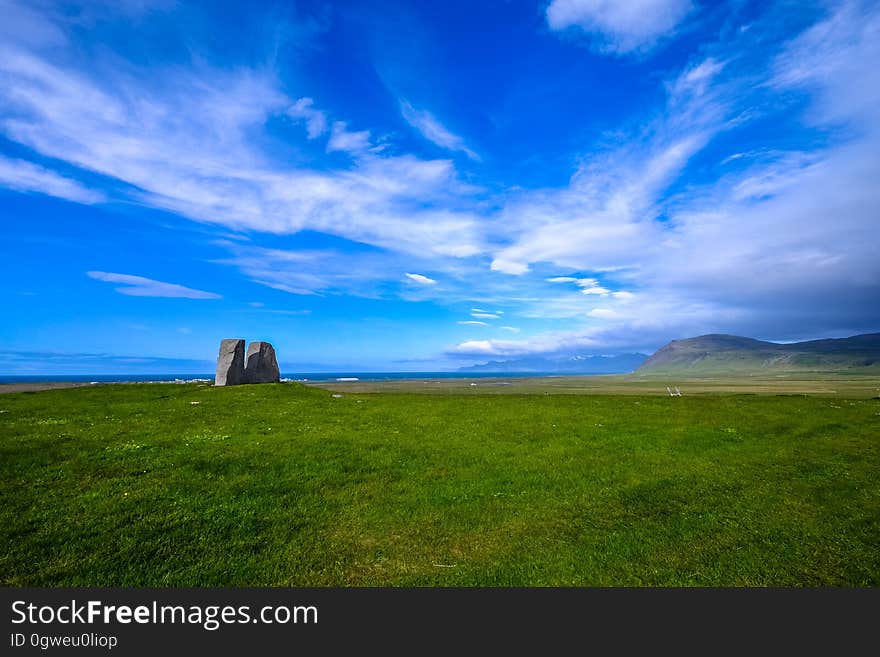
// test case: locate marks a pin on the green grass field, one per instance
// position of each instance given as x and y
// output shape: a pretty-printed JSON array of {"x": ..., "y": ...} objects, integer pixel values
[{"x": 136, "y": 485}]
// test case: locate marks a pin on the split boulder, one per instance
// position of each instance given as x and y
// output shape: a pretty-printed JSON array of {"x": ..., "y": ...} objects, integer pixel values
[
  {"x": 261, "y": 367},
  {"x": 230, "y": 363}
]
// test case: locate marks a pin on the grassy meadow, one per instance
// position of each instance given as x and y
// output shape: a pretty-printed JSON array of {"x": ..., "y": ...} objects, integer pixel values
[{"x": 190, "y": 485}]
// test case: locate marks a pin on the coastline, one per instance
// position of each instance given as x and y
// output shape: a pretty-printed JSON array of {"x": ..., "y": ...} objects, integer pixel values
[
  {"x": 40, "y": 386},
  {"x": 12, "y": 383}
]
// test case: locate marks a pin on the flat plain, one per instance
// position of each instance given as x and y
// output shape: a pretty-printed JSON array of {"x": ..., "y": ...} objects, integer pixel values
[
  {"x": 795, "y": 383},
  {"x": 533, "y": 482}
]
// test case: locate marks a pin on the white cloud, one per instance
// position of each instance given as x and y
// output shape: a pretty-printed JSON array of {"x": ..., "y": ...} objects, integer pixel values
[
  {"x": 779, "y": 243},
  {"x": 512, "y": 329},
  {"x": 358, "y": 272},
  {"x": 315, "y": 120},
  {"x": 343, "y": 140},
  {"x": 23, "y": 176},
  {"x": 754, "y": 251},
  {"x": 644, "y": 328},
  {"x": 620, "y": 26},
  {"x": 421, "y": 280},
  {"x": 309, "y": 271},
  {"x": 698, "y": 77},
  {"x": 476, "y": 348},
  {"x": 472, "y": 323},
  {"x": 606, "y": 218},
  {"x": 182, "y": 139},
  {"x": 508, "y": 267},
  {"x": 484, "y": 315},
  {"x": 138, "y": 286},
  {"x": 434, "y": 131},
  {"x": 289, "y": 312},
  {"x": 25, "y": 24},
  {"x": 829, "y": 57},
  {"x": 591, "y": 286}
]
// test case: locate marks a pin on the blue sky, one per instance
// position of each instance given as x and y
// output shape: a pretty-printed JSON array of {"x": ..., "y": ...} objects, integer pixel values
[{"x": 422, "y": 185}]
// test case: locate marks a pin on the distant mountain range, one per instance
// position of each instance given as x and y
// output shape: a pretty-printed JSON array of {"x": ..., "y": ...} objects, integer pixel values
[
  {"x": 619, "y": 364},
  {"x": 714, "y": 354},
  {"x": 731, "y": 354}
]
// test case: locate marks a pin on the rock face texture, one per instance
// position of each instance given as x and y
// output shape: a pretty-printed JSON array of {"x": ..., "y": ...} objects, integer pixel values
[
  {"x": 262, "y": 367},
  {"x": 230, "y": 363}
]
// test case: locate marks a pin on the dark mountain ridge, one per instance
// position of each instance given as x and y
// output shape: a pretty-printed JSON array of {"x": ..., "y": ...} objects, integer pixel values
[{"x": 719, "y": 353}]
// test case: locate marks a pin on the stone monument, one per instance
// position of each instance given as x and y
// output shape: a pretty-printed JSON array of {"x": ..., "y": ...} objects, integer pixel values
[
  {"x": 230, "y": 363},
  {"x": 233, "y": 368},
  {"x": 261, "y": 365}
]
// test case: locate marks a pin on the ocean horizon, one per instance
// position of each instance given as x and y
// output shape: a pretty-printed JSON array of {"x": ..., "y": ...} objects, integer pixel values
[{"x": 303, "y": 377}]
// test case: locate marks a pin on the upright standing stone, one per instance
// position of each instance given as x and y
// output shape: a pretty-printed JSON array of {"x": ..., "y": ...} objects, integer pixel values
[
  {"x": 230, "y": 363},
  {"x": 261, "y": 364}
]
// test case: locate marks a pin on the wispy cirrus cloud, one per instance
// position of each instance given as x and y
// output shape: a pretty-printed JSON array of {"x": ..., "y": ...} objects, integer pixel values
[
  {"x": 586, "y": 285},
  {"x": 24, "y": 176},
  {"x": 181, "y": 139},
  {"x": 431, "y": 129},
  {"x": 302, "y": 271},
  {"x": 138, "y": 286},
  {"x": 420, "y": 279},
  {"x": 367, "y": 273},
  {"x": 746, "y": 252},
  {"x": 606, "y": 217},
  {"x": 670, "y": 223}
]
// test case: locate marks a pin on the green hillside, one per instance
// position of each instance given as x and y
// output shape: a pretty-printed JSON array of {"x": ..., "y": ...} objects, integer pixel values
[{"x": 730, "y": 354}]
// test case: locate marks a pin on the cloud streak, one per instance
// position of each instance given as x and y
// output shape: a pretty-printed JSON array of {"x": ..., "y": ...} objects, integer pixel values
[
  {"x": 434, "y": 131},
  {"x": 182, "y": 140},
  {"x": 691, "y": 215},
  {"x": 23, "y": 176},
  {"x": 421, "y": 280},
  {"x": 750, "y": 252},
  {"x": 606, "y": 217},
  {"x": 138, "y": 286}
]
